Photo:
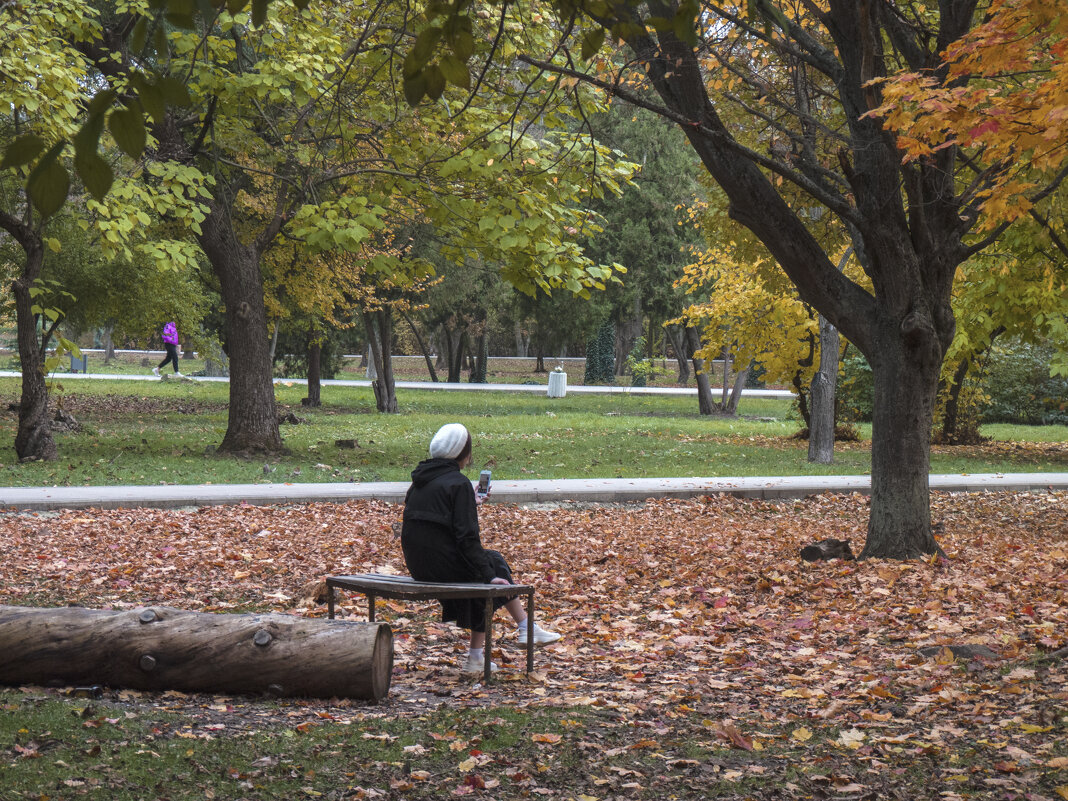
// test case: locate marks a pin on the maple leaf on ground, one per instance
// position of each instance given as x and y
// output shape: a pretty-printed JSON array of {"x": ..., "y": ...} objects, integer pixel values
[{"x": 728, "y": 731}]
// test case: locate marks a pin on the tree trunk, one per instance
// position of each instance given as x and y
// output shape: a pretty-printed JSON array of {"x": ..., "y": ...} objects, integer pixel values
[
  {"x": 315, "y": 352},
  {"x": 274, "y": 340},
  {"x": 905, "y": 375},
  {"x": 481, "y": 365},
  {"x": 109, "y": 343},
  {"x": 422, "y": 346},
  {"x": 379, "y": 327},
  {"x": 522, "y": 341},
  {"x": 678, "y": 342},
  {"x": 726, "y": 376},
  {"x": 34, "y": 438},
  {"x": 370, "y": 369},
  {"x": 821, "y": 418},
  {"x": 469, "y": 354},
  {"x": 802, "y": 400},
  {"x": 442, "y": 360},
  {"x": 951, "y": 415},
  {"x": 627, "y": 334},
  {"x": 252, "y": 422},
  {"x": 704, "y": 389},
  {"x": 736, "y": 391},
  {"x": 456, "y": 357},
  {"x": 216, "y": 363},
  {"x": 160, "y": 648},
  {"x": 539, "y": 364}
]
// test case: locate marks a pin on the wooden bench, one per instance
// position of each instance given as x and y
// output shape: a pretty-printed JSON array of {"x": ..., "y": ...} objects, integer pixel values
[{"x": 375, "y": 585}]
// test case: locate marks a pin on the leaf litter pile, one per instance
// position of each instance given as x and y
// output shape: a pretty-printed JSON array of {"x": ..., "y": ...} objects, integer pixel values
[{"x": 701, "y": 656}]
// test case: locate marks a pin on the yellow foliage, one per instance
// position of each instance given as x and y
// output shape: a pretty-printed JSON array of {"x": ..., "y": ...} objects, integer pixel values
[{"x": 748, "y": 314}]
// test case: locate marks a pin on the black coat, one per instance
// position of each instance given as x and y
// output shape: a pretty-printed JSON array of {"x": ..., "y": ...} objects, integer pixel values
[{"x": 440, "y": 537}]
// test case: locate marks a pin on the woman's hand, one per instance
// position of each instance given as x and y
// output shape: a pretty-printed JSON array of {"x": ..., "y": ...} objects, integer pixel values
[{"x": 503, "y": 581}]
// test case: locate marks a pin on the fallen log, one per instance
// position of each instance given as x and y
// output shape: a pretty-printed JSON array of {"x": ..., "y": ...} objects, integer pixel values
[{"x": 160, "y": 648}]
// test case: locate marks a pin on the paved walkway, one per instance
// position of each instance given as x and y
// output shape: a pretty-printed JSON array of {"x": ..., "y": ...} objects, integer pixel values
[
  {"x": 443, "y": 386},
  {"x": 594, "y": 490}
]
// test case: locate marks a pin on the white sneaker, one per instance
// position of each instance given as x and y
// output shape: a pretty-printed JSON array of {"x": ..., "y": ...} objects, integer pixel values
[
  {"x": 541, "y": 636},
  {"x": 155, "y": 372},
  {"x": 475, "y": 667},
  {"x": 179, "y": 375}
]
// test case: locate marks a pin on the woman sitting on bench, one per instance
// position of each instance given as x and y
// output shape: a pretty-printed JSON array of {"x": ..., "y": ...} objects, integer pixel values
[{"x": 441, "y": 541}]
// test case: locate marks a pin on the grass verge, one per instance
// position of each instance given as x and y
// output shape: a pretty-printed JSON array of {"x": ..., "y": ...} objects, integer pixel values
[
  {"x": 166, "y": 432},
  {"x": 127, "y": 745}
]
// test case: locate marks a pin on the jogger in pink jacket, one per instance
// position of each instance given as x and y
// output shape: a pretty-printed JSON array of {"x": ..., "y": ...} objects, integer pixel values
[{"x": 170, "y": 342}]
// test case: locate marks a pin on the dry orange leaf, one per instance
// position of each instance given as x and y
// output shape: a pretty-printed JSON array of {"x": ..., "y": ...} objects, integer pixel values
[
  {"x": 728, "y": 731},
  {"x": 546, "y": 738}
]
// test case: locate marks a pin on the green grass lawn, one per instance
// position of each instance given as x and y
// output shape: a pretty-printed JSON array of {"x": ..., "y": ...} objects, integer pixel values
[{"x": 165, "y": 432}]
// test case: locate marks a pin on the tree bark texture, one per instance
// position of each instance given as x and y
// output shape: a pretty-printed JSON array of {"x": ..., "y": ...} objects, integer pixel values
[
  {"x": 160, "y": 648},
  {"x": 905, "y": 374},
  {"x": 822, "y": 391},
  {"x": 33, "y": 440},
  {"x": 252, "y": 422}
]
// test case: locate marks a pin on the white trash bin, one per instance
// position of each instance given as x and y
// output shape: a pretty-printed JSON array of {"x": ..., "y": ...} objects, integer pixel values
[{"x": 557, "y": 383}]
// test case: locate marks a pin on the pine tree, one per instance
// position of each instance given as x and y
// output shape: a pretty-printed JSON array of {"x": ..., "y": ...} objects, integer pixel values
[{"x": 600, "y": 355}]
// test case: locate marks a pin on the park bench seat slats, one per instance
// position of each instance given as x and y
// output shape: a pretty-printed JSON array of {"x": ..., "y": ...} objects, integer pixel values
[
  {"x": 393, "y": 587},
  {"x": 388, "y": 586}
]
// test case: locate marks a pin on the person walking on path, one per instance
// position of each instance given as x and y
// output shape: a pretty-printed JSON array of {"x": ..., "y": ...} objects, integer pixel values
[
  {"x": 170, "y": 342},
  {"x": 441, "y": 543}
]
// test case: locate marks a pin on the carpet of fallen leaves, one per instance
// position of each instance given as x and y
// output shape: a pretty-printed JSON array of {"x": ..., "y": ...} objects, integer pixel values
[{"x": 687, "y": 621}]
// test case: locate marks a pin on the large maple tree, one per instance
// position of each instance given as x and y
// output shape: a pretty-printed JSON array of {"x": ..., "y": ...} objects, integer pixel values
[{"x": 773, "y": 93}]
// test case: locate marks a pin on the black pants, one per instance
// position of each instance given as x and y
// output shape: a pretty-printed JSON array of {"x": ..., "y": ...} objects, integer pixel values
[
  {"x": 172, "y": 356},
  {"x": 470, "y": 613}
]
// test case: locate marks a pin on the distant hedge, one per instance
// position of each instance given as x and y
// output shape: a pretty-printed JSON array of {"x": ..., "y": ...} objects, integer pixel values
[
  {"x": 1020, "y": 388},
  {"x": 1015, "y": 380}
]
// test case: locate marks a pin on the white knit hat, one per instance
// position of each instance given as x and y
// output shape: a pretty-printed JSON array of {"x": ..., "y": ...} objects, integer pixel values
[{"x": 448, "y": 442}]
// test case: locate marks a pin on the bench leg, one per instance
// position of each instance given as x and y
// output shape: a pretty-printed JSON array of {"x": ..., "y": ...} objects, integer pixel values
[
  {"x": 486, "y": 672},
  {"x": 530, "y": 632},
  {"x": 329, "y": 602},
  {"x": 370, "y": 607}
]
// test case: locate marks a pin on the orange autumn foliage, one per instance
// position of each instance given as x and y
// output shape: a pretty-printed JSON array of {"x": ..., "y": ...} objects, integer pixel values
[{"x": 1001, "y": 93}]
